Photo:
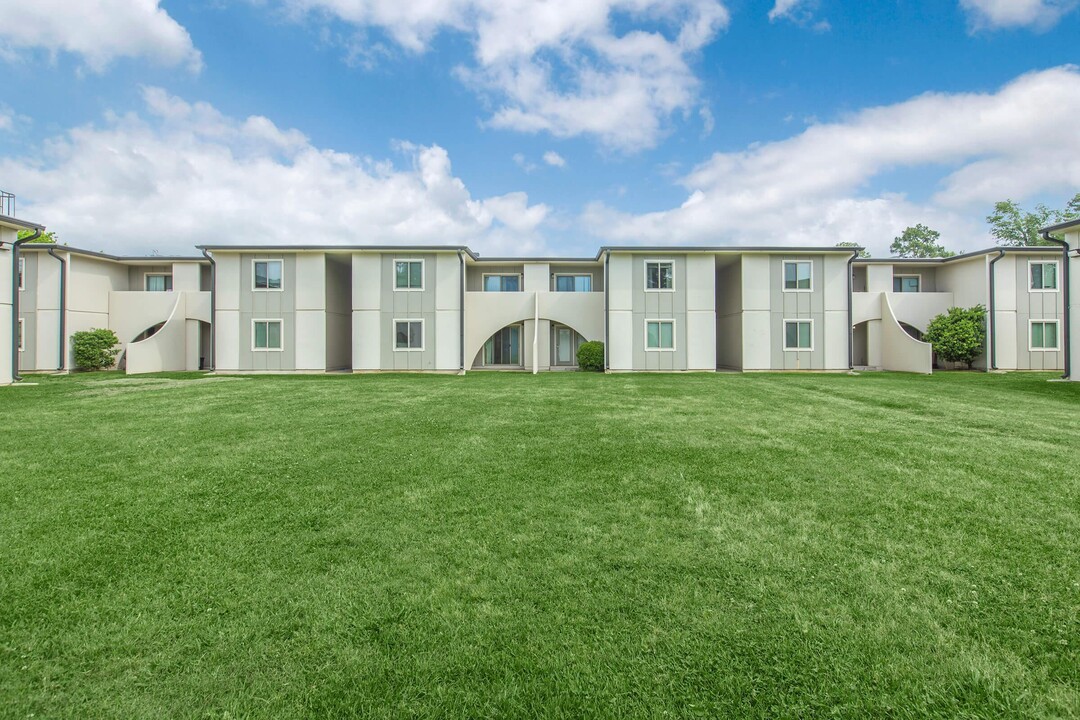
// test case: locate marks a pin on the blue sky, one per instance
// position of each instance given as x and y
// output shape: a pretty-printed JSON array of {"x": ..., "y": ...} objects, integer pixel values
[{"x": 520, "y": 128}]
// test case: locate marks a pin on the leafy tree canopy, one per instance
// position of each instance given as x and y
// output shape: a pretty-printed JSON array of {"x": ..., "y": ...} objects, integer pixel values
[
  {"x": 849, "y": 244},
  {"x": 1013, "y": 226},
  {"x": 919, "y": 242},
  {"x": 46, "y": 237}
]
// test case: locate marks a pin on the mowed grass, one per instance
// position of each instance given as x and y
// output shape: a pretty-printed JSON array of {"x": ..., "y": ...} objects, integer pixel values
[{"x": 565, "y": 545}]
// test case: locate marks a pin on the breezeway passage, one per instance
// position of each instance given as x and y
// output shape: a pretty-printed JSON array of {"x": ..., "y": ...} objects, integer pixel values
[{"x": 509, "y": 545}]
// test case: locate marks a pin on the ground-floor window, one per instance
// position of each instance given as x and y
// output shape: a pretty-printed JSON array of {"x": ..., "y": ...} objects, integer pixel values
[
  {"x": 659, "y": 334},
  {"x": 504, "y": 347},
  {"x": 266, "y": 335},
  {"x": 408, "y": 335},
  {"x": 798, "y": 334},
  {"x": 1044, "y": 334}
]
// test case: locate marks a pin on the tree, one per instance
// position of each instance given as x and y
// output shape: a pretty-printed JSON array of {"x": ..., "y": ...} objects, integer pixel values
[
  {"x": 958, "y": 336},
  {"x": 46, "y": 237},
  {"x": 95, "y": 349},
  {"x": 919, "y": 242},
  {"x": 850, "y": 244},
  {"x": 1013, "y": 226}
]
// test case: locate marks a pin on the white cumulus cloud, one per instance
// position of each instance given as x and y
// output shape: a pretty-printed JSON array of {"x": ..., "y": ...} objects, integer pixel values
[
  {"x": 1016, "y": 143},
  {"x": 179, "y": 173},
  {"x": 1037, "y": 14},
  {"x": 616, "y": 70},
  {"x": 98, "y": 31},
  {"x": 554, "y": 159}
]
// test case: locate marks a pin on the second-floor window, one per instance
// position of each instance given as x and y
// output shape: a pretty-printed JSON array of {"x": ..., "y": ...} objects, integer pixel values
[
  {"x": 1044, "y": 276},
  {"x": 906, "y": 283},
  {"x": 573, "y": 283},
  {"x": 659, "y": 275},
  {"x": 408, "y": 274},
  {"x": 502, "y": 283},
  {"x": 266, "y": 275},
  {"x": 798, "y": 276},
  {"x": 158, "y": 283}
]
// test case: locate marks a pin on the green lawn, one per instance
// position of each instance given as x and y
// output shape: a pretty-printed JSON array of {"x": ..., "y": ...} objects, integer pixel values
[{"x": 564, "y": 545}]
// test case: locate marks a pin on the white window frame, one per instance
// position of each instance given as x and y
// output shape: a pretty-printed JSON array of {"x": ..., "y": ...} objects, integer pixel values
[
  {"x": 783, "y": 276},
  {"x": 674, "y": 335},
  {"x": 393, "y": 334},
  {"x": 784, "y": 334},
  {"x": 645, "y": 274},
  {"x": 22, "y": 273},
  {"x": 423, "y": 274},
  {"x": 1057, "y": 335},
  {"x": 1057, "y": 276},
  {"x": 147, "y": 275},
  {"x": 592, "y": 279},
  {"x": 917, "y": 276},
  {"x": 268, "y": 289},
  {"x": 281, "y": 321},
  {"x": 22, "y": 334},
  {"x": 485, "y": 276}
]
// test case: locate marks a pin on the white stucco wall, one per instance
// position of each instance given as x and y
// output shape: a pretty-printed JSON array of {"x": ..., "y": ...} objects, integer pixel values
[
  {"x": 7, "y": 337},
  {"x": 620, "y": 313},
  {"x": 366, "y": 295},
  {"x": 756, "y": 303},
  {"x": 1073, "y": 238}
]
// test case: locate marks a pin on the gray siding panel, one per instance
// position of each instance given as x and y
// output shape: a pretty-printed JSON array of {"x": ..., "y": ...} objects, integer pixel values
[
  {"x": 659, "y": 306},
  {"x": 797, "y": 306},
  {"x": 268, "y": 305},
  {"x": 408, "y": 305},
  {"x": 1037, "y": 306}
]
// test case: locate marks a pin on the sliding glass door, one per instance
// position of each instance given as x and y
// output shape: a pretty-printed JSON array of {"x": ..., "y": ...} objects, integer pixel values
[{"x": 504, "y": 347}]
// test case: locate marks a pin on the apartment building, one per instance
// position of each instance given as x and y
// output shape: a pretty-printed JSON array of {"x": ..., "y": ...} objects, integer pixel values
[
  {"x": 447, "y": 309},
  {"x": 11, "y": 338}
]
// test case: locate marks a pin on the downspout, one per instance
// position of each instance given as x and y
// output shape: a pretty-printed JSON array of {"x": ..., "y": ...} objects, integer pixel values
[
  {"x": 461, "y": 310},
  {"x": 15, "y": 376},
  {"x": 851, "y": 310},
  {"x": 607, "y": 261},
  {"x": 1065, "y": 281},
  {"x": 993, "y": 312},
  {"x": 213, "y": 309},
  {"x": 63, "y": 309}
]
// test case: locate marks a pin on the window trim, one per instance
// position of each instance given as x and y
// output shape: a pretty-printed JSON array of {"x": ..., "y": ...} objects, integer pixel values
[
  {"x": 485, "y": 276},
  {"x": 147, "y": 275},
  {"x": 917, "y": 276},
  {"x": 22, "y": 335},
  {"x": 1057, "y": 335},
  {"x": 1057, "y": 276},
  {"x": 22, "y": 274},
  {"x": 268, "y": 289},
  {"x": 659, "y": 261},
  {"x": 393, "y": 334},
  {"x": 591, "y": 278},
  {"x": 280, "y": 321},
  {"x": 674, "y": 337},
  {"x": 798, "y": 320},
  {"x": 783, "y": 276},
  {"x": 423, "y": 274}
]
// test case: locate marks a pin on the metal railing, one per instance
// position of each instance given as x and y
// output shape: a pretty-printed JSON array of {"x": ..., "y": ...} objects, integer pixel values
[{"x": 7, "y": 204}]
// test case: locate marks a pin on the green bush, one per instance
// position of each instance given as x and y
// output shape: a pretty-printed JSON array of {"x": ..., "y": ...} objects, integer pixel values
[
  {"x": 590, "y": 355},
  {"x": 95, "y": 349},
  {"x": 958, "y": 336}
]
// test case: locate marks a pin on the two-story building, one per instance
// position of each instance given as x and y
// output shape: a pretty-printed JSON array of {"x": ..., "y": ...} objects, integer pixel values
[{"x": 11, "y": 338}]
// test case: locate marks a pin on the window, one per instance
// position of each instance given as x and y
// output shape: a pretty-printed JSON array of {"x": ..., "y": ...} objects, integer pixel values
[
  {"x": 266, "y": 335},
  {"x": 1043, "y": 276},
  {"x": 659, "y": 276},
  {"x": 266, "y": 275},
  {"x": 798, "y": 335},
  {"x": 408, "y": 335},
  {"x": 659, "y": 335},
  {"x": 22, "y": 345},
  {"x": 798, "y": 276},
  {"x": 22, "y": 273},
  {"x": 158, "y": 283},
  {"x": 573, "y": 283},
  {"x": 408, "y": 274},
  {"x": 502, "y": 283},
  {"x": 906, "y": 283},
  {"x": 1044, "y": 335}
]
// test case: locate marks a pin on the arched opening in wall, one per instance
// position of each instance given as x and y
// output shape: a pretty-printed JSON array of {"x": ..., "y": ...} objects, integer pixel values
[
  {"x": 121, "y": 362},
  {"x": 205, "y": 361},
  {"x": 911, "y": 330},
  {"x": 860, "y": 346},
  {"x": 503, "y": 349},
  {"x": 565, "y": 342}
]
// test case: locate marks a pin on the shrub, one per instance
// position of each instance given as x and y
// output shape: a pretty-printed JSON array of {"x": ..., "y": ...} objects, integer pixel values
[
  {"x": 590, "y": 355},
  {"x": 958, "y": 336},
  {"x": 95, "y": 349}
]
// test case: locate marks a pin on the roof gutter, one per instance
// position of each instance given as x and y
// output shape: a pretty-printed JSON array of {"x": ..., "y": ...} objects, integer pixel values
[
  {"x": 63, "y": 310},
  {"x": 213, "y": 309},
  {"x": 1065, "y": 280},
  {"x": 992, "y": 342},
  {"x": 15, "y": 376},
  {"x": 851, "y": 310}
]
